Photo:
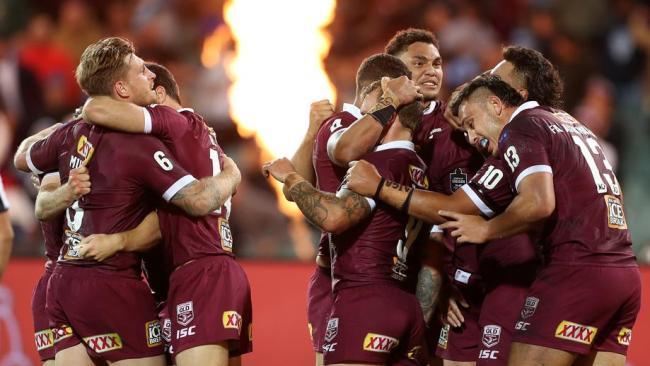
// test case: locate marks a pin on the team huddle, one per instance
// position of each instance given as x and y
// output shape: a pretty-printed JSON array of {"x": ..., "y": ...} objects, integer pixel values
[{"x": 483, "y": 230}]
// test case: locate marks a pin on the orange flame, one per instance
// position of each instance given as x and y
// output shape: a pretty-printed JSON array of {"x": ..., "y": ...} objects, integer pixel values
[{"x": 277, "y": 71}]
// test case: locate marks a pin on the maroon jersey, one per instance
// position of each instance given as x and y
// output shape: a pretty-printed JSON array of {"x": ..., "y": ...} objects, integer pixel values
[
  {"x": 195, "y": 146},
  {"x": 490, "y": 191},
  {"x": 328, "y": 174},
  {"x": 451, "y": 162},
  {"x": 588, "y": 225},
  {"x": 377, "y": 250},
  {"x": 52, "y": 233},
  {"x": 129, "y": 173}
]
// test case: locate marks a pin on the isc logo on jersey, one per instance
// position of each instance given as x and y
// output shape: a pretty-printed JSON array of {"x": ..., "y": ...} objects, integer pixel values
[
  {"x": 44, "y": 339},
  {"x": 576, "y": 332},
  {"x": 615, "y": 213},
  {"x": 232, "y": 320},
  {"x": 624, "y": 336},
  {"x": 418, "y": 177},
  {"x": 104, "y": 342},
  {"x": 154, "y": 333},
  {"x": 379, "y": 343}
]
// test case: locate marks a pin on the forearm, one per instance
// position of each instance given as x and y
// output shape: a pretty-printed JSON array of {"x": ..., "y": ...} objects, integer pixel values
[
  {"x": 325, "y": 210},
  {"x": 107, "y": 112},
  {"x": 520, "y": 217},
  {"x": 356, "y": 140},
  {"x": 206, "y": 195},
  {"x": 428, "y": 290},
  {"x": 52, "y": 200},
  {"x": 6, "y": 240},
  {"x": 302, "y": 162},
  {"x": 424, "y": 204},
  {"x": 144, "y": 236}
]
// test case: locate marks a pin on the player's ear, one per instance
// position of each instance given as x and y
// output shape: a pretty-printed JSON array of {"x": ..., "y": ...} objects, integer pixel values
[
  {"x": 523, "y": 93},
  {"x": 161, "y": 94},
  {"x": 120, "y": 89},
  {"x": 496, "y": 104}
]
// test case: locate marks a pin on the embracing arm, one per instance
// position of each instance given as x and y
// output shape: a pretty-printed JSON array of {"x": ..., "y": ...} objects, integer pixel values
[
  {"x": 20, "y": 157},
  {"x": 141, "y": 238},
  {"x": 203, "y": 196},
  {"x": 331, "y": 213},
  {"x": 53, "y": 198},
  {"x": 108, "y": 112},
  {"x": 534, "y": 203}
]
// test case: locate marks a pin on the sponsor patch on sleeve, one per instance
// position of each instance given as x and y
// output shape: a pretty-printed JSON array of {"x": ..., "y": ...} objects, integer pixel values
[
  {"x": 379, "y": 343},
  {"x": 624, "y": 336},
  {"x": 576, "y": 332}
]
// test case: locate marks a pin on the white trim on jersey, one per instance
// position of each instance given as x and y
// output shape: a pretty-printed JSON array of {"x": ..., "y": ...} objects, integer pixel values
[
  {"x": 532, "y": 170},
  {"x": 436, "y": 229},
  {"x": 345, "y": 189},
  {"x": 353, "y": 110},
  {"x": 431, "y": 108},
  {"x": 30, "y": 163},
  {"x": 185, "y": 110},
  {"x": 400, "y": 144},
  {"x": 147, "y": 120},
  {"x": 4, "y": 202},
  {"x": 528, "y": 105},
  {"x": 478, "y": 202},
  {"x": 174, "y": 188}
]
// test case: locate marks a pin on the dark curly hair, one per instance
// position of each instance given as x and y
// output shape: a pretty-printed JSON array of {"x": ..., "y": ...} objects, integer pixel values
[
  {"x": 538, "y": 74},
  {"x": 502, "y": 90},
  {"x": 404, "y": 38}
]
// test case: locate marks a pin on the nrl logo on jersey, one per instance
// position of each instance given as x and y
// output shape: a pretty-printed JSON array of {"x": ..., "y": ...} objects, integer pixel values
[
  {"x": 332, "y": 329},
  {"x": 418, "y": 176},
  {"x": 529, "y": 307},
  {"x": 491, "y": 335},
  {"x": 457, "y": 179},
  {"x": 379, "y": 343},
  {"x": 185, "y": 313}
]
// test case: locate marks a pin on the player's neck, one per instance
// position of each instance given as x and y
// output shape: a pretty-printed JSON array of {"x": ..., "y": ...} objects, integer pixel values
[
  {"x": 172, "y": 104},
  {"x": 397, "y": 133}
]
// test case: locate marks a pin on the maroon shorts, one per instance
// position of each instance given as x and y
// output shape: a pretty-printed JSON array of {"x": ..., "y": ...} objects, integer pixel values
[
  {"x": 319, "y": 305},
  {"x": 209, "y": 303},
  {"x": 499, "y": 313},
  {"x": 43, "y": 336},
  {"x": 112, "y": 313},
  {"x": 375, "y": 324},
  {"x": 461, "y": 344},
  {"x": 581, "y": 308}
]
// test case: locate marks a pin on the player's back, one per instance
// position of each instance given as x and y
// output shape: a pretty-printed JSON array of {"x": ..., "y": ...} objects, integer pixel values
[
  {"x": 588, "y": 224},
  {"x": 376, "y": 250},
  {"x": 329, "y": 175},
  {"x": 195, "y": 147}
]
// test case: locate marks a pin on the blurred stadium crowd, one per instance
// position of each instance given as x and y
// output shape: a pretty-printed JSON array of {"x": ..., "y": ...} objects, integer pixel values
[{"x": 601, "y": 48}]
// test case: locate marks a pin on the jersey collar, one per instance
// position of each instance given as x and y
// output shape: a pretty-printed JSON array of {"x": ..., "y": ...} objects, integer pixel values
[
  {"x": 185, "y": 110},
  {"x": 400, "y": 144},
  {"x": 352, "y": 109},
  {"x": 432, "y": 107},
  {"x": 528, "y": 105}
]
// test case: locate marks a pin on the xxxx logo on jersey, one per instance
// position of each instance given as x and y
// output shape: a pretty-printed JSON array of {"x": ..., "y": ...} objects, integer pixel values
[
  {"x": 576, "y": 332},
  {"x": 85, "y": 149},
  {"x": 418, "y": 177},
  {"x": 624, "y": 336},
  {"x": 104, "y": 342},
  {"x": 232, "y": 320},
  {"x": 62, "y": 332},
  {"x": 44, "y": 339},
  {"x": 379, "y": 343}
]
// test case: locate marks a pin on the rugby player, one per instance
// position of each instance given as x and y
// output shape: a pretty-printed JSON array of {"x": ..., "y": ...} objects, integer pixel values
[
  {"x": 81, "y": 289},
  {"x": 207, "y": 286}
]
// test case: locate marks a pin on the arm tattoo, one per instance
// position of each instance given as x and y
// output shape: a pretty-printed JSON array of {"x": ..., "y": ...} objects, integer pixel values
[
  {"x": 383, "y": 102},
  {"x": 199, "y": 198},
  {"x": 428, "y": 290},
  {"x": 397, "y": 186},
  {"x": 319, "y": 206}
]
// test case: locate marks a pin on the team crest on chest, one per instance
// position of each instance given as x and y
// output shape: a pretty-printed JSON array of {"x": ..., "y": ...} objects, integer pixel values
[{"x": 457, "y": 179}]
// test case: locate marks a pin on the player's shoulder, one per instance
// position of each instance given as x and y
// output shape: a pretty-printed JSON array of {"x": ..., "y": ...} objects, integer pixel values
[{"x": 335, "y": 122}]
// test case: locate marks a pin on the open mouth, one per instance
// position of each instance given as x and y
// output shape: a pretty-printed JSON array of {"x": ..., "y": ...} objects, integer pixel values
[{"x": 429, "y": 84}]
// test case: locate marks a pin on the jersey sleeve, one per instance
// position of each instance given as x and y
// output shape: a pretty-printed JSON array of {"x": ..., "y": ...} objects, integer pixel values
[
  {"x": 523, "y": 145},
  {"x": 335, "y": 126},
  {"x": 489, "y": 190},
  {"x": 157, "y": 168},
  {"x": 43, "y": 155},
  {"x": 163, "y": 122},
  {"x": 4, "y": 202}
]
